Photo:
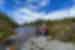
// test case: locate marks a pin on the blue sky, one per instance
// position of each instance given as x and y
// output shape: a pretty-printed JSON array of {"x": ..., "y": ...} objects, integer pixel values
[
  {"x": 52, "y": 5},
  {"x": 22, "y": 11}
]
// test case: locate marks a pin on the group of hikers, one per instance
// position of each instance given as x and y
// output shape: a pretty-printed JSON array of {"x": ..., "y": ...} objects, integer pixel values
[{"x": 42, "y": 30}]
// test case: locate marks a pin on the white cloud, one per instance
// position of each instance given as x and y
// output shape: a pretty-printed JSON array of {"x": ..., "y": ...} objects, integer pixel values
[
  {"x": 72, "y": 11},
  {"x": 67, "y": 13},
  {"x": 24, "y": 15}
]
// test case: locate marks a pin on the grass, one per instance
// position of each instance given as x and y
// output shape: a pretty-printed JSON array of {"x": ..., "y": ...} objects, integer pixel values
[{"x": 4, "y": 35}]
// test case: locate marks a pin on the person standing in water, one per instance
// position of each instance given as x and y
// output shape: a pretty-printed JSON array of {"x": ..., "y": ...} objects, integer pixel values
[{"x": 42, "y": 30}]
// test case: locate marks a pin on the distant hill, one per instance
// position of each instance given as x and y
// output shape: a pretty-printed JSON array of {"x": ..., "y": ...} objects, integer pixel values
[{"x": 65, "y": 20}]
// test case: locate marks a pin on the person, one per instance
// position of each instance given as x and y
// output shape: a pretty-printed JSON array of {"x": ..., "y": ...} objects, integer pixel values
[{"x": 42, "y": 30}]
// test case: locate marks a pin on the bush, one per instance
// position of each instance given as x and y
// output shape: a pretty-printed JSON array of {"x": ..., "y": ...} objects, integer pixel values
[
  {"x": 4, "y": 35},
  {"x": 6, "y": 26}
]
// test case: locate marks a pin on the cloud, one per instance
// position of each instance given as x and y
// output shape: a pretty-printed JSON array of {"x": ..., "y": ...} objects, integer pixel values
[
  {"x": 24, "y": 15},
  {"x": 72, "y": 11},
  {"x": 67, "y": 13}
]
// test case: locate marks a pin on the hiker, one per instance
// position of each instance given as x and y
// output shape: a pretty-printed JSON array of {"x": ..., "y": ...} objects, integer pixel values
[{"x": 42, "y": 30}]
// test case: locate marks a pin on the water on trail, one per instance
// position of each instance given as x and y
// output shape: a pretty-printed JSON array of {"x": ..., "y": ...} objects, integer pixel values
[{"x": 42, "y": 43}]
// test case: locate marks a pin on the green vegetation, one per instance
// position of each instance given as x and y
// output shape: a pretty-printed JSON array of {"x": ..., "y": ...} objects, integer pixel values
[{"x": 6, "y": 26}]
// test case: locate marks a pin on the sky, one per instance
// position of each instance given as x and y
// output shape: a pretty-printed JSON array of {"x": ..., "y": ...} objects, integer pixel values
[{"x": 26, "y": 11}]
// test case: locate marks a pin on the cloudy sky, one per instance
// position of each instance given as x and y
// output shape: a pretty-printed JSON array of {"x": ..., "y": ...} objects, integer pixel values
[{"x": 23, "y": 11}]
